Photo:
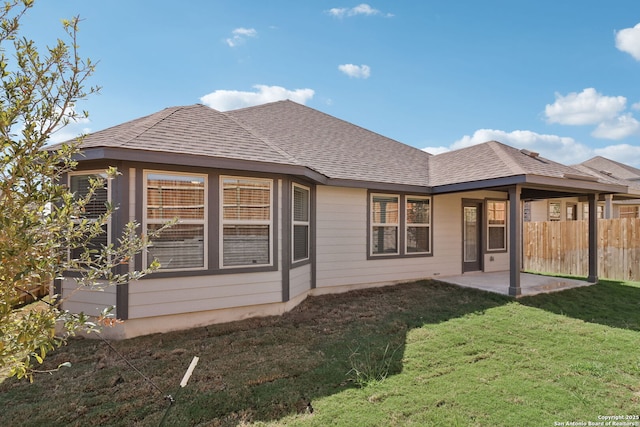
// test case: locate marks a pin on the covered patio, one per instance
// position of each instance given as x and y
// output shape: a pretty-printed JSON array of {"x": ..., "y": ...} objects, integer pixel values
[{"x": 498, "y": 282}]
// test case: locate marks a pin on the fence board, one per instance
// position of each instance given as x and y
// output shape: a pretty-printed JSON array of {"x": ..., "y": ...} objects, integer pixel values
[{"x": 562, "y": 247}]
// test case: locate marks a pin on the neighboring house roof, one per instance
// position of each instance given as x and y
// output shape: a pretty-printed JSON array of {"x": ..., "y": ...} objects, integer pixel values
[
  {"x": 335, "y": 148},
  {"x": 612, "y": 168},
  {"x": 616, "y": 173}
]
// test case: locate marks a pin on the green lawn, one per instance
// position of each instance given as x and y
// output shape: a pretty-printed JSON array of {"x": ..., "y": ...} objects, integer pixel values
[{"x": 442, "y": 355}]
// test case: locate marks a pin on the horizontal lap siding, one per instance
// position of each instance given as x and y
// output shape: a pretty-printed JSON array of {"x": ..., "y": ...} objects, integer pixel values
[
  {"x": 84, "y": 300},
  {"x": 342, "y": 242},
  {"x": 341, "y": 236},
  {"x": 300, "y": 280},
  {"x": 156, "y": 297}
]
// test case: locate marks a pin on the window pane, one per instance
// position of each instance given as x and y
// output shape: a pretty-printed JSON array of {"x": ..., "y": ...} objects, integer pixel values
[
  {"x": 384, "y": 210},
  {"x": 97, "y": 205},
  {"x": 175, "y": 197},
  {"x": 497, "y": 238},
  {"x": 300, "y": 204},
  {"x": 497, "y": 212},
  {"x": 418, "y": 211},
  {"x": 180, "y": 246},
  {"x": 384, "y": 240},
  {"x": 245, "y": 199},
  {"x": 245, "y": 245},
  {"x": 300, "y": 242},
  {"x": 94, "y": 245},
  {"x": 417, "y": 239},
  {"x": 554, "y": 211}
]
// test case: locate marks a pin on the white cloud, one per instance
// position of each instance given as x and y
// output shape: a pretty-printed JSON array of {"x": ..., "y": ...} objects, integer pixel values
[
  {"x": 558, "y": 148},
  {"x": 224, "y": 100},
  {"x": 618, "y": 128},
  {"x": 628, "y": 40},
  {"x": 357, "y": 71},
  {"x": 239, "y": 35},
  {"x": 623, "y": 153},
  {"x": 584, "y": 108},
  {"x": 361, "y": 9},
  {"x": 436, "y": 150}
]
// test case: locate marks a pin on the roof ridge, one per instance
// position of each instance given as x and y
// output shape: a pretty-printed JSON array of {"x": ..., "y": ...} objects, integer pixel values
[
  {"x": 509, "y": 161},
  {"x": 164, "y": 114},
  {"x": 262, "y": 138}
]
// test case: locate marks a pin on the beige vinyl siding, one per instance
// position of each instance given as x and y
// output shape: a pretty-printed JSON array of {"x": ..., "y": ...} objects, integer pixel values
[
  {"x": 84, "y": 300},
  {"x": 299, "y": 280},
  {"x": 157, "y": 297},
  {"x": 447, "y": 229},
  {"x": 341, "y": 237},
  {"x": 447, "y": 236}
]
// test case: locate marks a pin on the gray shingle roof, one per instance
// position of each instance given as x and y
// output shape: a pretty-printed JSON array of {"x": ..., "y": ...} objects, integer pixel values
[
  {"x": 287, "y": 133},
  {"x": 195, "y": 129},
  {"x": 334, "y": 147},
  {"x": 492, "y": 160},
  {"x": 617, "y": 170}
]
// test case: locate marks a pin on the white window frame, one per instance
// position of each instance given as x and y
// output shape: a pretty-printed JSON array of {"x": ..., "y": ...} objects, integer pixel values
[
  {"x": 146, "y": 221},
  {"x": 503, "y": 226},
  {"x": 306, "y": 223},
  {"x": 223, "y": 222},
  {"x": 383, "y": 224},
  {"x": 102, "y": 174},
  {"x": 407, "y": 225}
]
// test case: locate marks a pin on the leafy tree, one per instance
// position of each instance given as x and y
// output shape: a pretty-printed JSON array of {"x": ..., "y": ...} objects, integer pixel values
[{"x": 41, "y": 221}]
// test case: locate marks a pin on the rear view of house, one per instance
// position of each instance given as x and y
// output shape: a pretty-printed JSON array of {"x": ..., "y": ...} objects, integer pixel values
[{"x": 280, "y": 201}]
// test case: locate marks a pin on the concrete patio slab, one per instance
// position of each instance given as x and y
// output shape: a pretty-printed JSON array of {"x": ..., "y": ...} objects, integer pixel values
[{"x": 498, "y": 282}]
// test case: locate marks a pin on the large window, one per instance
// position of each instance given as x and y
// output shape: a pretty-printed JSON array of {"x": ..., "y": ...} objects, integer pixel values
[
  {"x": 385, "y": 222},
  {"x": 496, "y": 225},
  {"x": 182, "y": 196},
  {"x": 246, "y": 221},
  {"x": 300, "y": 235},
  {"x": 80, "y": 184},
  {"x": 418, "y": 225}
]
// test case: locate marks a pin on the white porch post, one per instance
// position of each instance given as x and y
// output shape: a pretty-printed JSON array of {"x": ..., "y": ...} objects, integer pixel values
[
  {"x": 608, "y": 206},
  {"x": 593, "y": 238},
  {"x": 515, "y": 241}
]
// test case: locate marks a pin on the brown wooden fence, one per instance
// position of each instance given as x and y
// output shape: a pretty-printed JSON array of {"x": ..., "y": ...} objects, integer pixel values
[{"x": 562, "y": 247}]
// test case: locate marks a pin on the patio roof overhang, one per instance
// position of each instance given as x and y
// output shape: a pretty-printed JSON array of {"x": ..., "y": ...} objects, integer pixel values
[{"x": 535, "y": 187}]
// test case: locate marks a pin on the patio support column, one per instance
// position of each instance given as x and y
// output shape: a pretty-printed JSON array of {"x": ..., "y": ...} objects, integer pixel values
[
  {"x": 515, "y": 241},
  {"x": 608, "y": 206},
  {"x": 593, "y": 238}
]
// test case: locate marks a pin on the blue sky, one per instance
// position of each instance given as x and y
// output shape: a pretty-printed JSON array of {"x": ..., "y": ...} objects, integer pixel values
[{"x": 558, "y": 77}]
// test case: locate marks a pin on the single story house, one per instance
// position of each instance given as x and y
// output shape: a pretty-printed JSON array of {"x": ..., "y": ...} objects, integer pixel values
[
  {"x": 280, "y": 201},
  {"x": 620, "y": 205}
]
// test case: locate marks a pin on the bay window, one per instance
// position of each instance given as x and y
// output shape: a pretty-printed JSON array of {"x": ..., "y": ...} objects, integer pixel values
[
  {"x": 94, "y": 209},
  {"x": 300, "y": 215},
  {"x": 246, "y": 221},
  {"x": 180, "y": 196}
]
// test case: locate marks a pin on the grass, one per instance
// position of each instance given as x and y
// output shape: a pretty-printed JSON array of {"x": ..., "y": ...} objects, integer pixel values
[{"x": 430, "y": 354}]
